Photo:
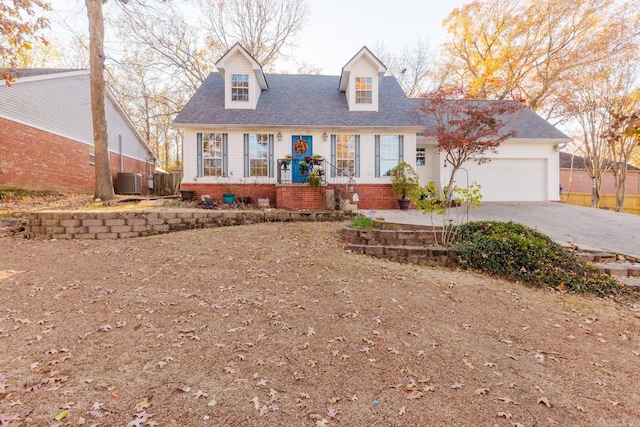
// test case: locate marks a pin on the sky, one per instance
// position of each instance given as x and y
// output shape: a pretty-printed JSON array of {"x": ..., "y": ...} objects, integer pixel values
[{"x": 335, "y": 29}]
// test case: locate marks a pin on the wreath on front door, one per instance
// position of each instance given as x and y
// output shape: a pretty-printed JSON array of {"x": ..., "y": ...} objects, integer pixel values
[{"x": 300, "y": 146}]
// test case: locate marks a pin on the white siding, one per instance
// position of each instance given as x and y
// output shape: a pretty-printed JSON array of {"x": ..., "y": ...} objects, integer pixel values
[
  {"x": 239, "y": 64},
  {"x": 62, "y": 106},
  {"x": 236, "y": 159},
  {"x": 363, "y": 67},
  {"x": 520, "y": 171}
]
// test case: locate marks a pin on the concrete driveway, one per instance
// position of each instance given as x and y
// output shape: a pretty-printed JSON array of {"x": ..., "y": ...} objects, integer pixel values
[{"x": 585, "y": 227}]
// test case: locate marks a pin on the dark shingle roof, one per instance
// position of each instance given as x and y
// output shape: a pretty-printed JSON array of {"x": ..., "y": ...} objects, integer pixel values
[
  {"x": 298, "y": 100},
  {"x": 314, "y": 100},
  {"x": 30, "y": 72},
  {"x": 573, "y": 161},
  {"x": 522, "y": 120}
]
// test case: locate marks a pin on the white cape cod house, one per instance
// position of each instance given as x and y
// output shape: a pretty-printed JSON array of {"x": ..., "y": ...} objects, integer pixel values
[{"x": 242, "y": 124}]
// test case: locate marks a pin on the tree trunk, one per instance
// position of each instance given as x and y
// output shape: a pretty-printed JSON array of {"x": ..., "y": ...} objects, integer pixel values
[
  {"x": 104, "y": 183},
  {"x": 621, "y": 190},
  {"x": 595, "y": 194}
]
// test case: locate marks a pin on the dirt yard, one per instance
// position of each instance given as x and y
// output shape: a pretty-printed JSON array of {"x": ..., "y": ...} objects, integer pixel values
[{"x": 278, "y": 325}]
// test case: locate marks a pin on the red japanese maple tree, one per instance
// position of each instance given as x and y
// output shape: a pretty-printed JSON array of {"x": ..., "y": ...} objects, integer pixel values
[{"x": 467, "y": 129}]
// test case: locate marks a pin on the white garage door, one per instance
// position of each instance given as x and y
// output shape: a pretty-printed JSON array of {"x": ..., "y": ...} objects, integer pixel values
[{"x": 523, "y": 180}]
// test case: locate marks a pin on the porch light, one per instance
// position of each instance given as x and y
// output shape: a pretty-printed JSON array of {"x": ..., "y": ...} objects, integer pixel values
[
  {"x": 324, "y": 136},
  {"x": 279, "y": 136}
]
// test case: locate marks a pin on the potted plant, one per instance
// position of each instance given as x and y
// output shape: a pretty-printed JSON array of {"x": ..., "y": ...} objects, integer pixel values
[
  {"x": 304, "y": 167},
  {"x": 286, "y": 161},
  {"x": 229, "y": 194},
  {"x": 316, "y": 159},
  {"x": 187, "y": 194},
  {"x": 403, "y": 180}
]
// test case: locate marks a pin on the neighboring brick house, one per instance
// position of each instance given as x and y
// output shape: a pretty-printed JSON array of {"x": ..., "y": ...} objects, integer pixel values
[
  {"x": 241, "y": 124},
  {"x": 574, "y": 177},
  {"x": 46, "y": 134}
]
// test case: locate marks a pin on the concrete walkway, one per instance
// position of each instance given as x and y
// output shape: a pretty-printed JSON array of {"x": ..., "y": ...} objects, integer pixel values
[{"x": 585, "y": 227}]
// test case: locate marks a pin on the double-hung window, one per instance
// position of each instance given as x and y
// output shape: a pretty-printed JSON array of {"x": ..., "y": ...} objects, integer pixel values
[
  {"x": 240, "y": 87},
  {"x": 421, "y": 156},
  {"x": 363, "y": 90},
  {"x": 258, "y": 154},
  {"x": 211, "y": 154},
  {"x": 389, "y": 152},
  {"x": 345, "y": 155}
]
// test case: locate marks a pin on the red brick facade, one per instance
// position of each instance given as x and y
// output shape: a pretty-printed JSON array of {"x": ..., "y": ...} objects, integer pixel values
[
  {"x": 376, "y": 196},
  {"x": 296, "y": 196},
  {"x": 33, "y": 159}
]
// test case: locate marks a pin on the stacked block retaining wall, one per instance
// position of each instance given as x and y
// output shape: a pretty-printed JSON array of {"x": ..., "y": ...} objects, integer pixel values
[{"x": 126, "y": 224}]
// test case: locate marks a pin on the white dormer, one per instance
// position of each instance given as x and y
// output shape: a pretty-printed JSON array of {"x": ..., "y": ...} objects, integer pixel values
[
  {"x": 244, "y": 80},
  {"x": 360, "y": 81}
]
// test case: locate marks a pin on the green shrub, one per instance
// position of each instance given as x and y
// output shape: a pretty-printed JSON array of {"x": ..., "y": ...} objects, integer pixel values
[
  {"x": 517, "y": 252},
  {"x": 361, "y": 222}
]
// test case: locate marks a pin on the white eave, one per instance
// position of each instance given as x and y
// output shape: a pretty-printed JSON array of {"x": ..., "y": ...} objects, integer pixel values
[
  {"x": 257, "y": 68},
  {"x": 346, "y": 70}
]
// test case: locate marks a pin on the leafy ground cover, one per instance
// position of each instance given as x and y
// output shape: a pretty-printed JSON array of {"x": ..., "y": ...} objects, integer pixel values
[{"x": 278, "y": 325}]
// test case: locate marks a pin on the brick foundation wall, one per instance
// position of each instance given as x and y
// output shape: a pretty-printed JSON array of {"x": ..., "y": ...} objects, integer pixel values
[
  {"x": 215, "y": 191},
  {"x": 33, "y": 159},
  {"x": 296, "y": 196}
]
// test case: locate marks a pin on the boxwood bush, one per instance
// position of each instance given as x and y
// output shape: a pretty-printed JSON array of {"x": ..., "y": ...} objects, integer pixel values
[{"x": 517, "y": 252}]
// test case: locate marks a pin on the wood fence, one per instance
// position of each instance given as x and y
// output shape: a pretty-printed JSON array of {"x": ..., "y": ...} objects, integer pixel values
[
  {"x": 608, "y": 201},
  {"x": 167, "y": 184}
]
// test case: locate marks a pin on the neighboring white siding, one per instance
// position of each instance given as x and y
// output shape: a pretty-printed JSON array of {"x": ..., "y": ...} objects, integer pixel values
[
  {"x": 62, "y": 106},
  {"x": 363, "y": 67},
  {"x": 239, "y": 64}
]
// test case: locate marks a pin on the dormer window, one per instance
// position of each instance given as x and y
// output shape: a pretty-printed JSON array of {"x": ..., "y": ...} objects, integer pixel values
[
  {"x": 240, "y": 87},
  {"x": 363, "y": 90}
]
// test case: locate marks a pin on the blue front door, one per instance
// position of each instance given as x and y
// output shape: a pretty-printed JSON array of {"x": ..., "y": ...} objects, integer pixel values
[{"x": 301, "y": 146}]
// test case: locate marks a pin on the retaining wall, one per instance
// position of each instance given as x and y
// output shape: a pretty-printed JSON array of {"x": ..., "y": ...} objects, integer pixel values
[
  {"x": 416, "y": 246},
  {"x": 126, "y": 224}
]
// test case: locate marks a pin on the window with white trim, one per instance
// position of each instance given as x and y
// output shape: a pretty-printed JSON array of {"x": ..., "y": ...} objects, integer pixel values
[
  {"x": 346, "y": 155},
  {"x": 212, "y": 154},
  {"x": 240, "y": 87},
  {"x": 364, "y": 94},
  {"x": 258, "y": 154},
  {"x": 421, "y": 156},
  {"x": 389, "y": 153}
]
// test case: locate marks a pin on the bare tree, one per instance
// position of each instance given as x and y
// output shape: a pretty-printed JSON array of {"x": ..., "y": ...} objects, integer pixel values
[
  {"x": 104, "y": 184},
  {"x": 263, "y": 27},
  {"x": 413, "y": 66},
  {"x": 174, "y": 43}
]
